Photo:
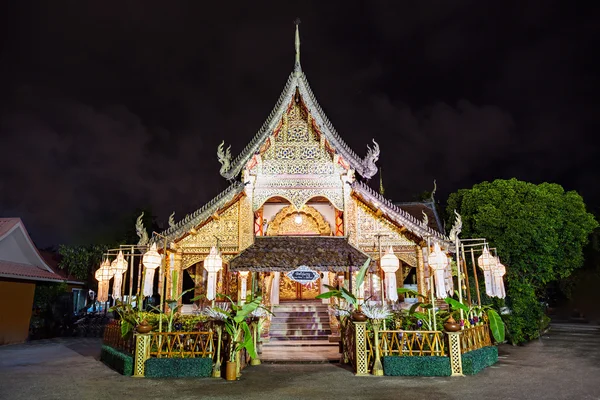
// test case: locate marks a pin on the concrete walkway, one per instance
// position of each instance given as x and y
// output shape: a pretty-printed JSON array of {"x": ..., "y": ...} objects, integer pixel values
[{"x": 564, "y": 364}]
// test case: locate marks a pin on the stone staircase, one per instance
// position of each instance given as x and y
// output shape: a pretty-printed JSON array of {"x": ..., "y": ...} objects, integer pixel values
[
  {"x": 300, "y": 332},
  {"x": 293, "y": 321}
]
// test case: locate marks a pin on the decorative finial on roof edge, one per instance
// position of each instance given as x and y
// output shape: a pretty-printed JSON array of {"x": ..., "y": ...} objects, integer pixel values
[{"x": 297, "y": 67}]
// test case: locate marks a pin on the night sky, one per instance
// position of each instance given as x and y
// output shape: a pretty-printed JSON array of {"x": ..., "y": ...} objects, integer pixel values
[{"x": 109, "y": 106}]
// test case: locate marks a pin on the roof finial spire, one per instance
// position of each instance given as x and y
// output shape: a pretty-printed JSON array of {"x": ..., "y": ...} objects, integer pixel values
[{"x": 297, "y": 67}]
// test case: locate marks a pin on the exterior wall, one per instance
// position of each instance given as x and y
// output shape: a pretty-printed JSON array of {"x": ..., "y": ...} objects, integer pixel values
[
  {"x": 16, "y": 248},
  {"x": 16, "y": 301}
]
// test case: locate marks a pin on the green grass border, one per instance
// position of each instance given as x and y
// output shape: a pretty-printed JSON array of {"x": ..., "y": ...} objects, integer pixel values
[
  {"x": 416, "y": 366},
  {"x": 200, "y": 367},
  {"x": 473, "y": 362},
  {"x": 117, "y": 360},
  {"x": 476, "y": 360}
]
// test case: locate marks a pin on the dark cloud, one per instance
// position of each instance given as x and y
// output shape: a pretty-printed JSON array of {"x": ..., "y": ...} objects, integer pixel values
[{"x": 112, "y": 106}]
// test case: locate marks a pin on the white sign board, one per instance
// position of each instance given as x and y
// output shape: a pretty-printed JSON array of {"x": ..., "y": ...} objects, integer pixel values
[{"x": 303, "y": 275}]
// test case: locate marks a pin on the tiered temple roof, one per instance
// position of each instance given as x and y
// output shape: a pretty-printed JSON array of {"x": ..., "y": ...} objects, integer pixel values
[
  {"x": 209, "y": 209},
  {"x": 397, "y": 214},
  {"x": 297, "y": 83}
]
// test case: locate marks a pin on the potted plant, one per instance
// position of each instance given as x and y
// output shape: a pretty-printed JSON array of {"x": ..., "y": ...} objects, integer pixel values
[
  {"x": 131, "y": 316},
  {"x": 236, "y": 325},
  {"x": 257, "y": 318},
  {"x": 476, "y": 315}
]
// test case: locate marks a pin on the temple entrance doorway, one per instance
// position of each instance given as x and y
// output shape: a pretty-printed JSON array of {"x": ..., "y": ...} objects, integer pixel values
[{"x": 290, "y": 290}]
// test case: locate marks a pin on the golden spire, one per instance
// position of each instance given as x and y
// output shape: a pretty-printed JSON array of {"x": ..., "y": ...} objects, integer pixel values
[
  {"x": 381, "y": 189},
  {"x": 297, "y": 67}
]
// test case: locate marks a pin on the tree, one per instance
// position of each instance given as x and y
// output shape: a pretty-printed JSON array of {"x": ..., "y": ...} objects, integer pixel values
[
  {"x": 539, "y": 232},
  {"x": 81, "y": 261}
]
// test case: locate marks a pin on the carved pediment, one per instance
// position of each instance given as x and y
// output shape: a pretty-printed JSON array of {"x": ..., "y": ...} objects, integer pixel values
[
  {"x": 306, "y": 221},
  {"x": 225, "y": 228},
  {"x": 296, "y": 146}
]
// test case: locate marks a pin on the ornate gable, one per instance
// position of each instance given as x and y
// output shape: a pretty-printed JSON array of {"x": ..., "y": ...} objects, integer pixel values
[
  {"x": 297, "y": 88},
  {"x": 296, "y": 162},
  {"x": 296, "y": 146}
]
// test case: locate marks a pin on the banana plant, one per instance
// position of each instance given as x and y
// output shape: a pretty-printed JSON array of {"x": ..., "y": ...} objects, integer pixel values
[
  {"x": 130, "y": 315},
  {"x": 236, "y": 326},
  {"x": 344, "y": 293}
]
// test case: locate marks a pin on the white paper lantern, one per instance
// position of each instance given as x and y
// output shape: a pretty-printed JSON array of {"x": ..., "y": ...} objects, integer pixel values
[
  {"x": 487, "y": 263},
  {"x": 118, "y": 267},
  {"x": 390, "y": 264},
  {"x": 438, "y": 261},
  {"x": 103, "y": 276},
  {"x": 151, "y": 261},
  {"x": 498, "y": 275}
]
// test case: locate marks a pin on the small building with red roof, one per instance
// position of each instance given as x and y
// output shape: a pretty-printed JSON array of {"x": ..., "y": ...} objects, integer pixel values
[{"x": 21, "y": 268}]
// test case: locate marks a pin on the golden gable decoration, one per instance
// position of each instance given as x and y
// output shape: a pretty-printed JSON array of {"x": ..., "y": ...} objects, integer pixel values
[{"x": 310, "y": 222}]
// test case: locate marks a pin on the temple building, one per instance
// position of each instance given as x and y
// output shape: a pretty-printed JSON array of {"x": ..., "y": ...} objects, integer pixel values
[{"x": 299, "y": 201}]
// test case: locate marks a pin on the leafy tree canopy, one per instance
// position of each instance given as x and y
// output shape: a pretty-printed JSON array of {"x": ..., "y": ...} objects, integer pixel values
[
  {"x": 81, "y": 261},
  {"x": 539, "y": 232}
]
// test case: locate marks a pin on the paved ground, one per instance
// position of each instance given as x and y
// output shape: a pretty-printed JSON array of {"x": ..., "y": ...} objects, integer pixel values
[{"x": 564, "y": 364}]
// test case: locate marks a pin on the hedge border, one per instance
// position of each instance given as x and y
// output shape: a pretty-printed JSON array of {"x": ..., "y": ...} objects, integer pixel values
[
  {"x": 476, "y": 360},
  {"x": 117, "y": 360},
  {"x": 416, "y": 366},
  {"x": 178, "y": 367},
  {"x": 473, "y": 362}
]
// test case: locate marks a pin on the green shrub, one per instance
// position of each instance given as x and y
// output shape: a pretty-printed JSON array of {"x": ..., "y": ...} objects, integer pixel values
[
  {"x": 120, "y": 362},
  {"x": 178, "y": 367},
  {"x": 416, "y": 366},
  {"x": 523, "y": 322},
  {"x": 476, "y": 360},
  {"x": 191, "y": 323},
  {"x": 472, "y": 363}
]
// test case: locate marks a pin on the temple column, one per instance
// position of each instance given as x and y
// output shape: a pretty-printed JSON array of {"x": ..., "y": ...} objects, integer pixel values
[
  {"x": 242, "y": 286},
  {"x": 322, "y": 288},
  {"x": 199, "y": 281},
  {"x": 177, "y": 274},
  {"x": 169, "y": 267},
  {"x": 275, "y": 289},
  {"x": 268, "y": 281},
  {"x": 421, "y": 286}
]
